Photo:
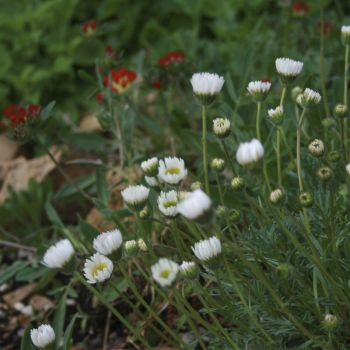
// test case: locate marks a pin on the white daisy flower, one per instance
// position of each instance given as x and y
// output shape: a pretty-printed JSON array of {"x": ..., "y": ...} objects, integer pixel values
[
  {"x": 108, "y": 242},
  {"x": 42, "y": 336},
  {"x": 197, "y": 206},
  {"x": 249, "y": 152},
  {"x": 150, "y": 166},
  {"x": 207, "y": 250},
  {"x": 259, "y": 89},
  {"x": 172, "y": 170},
  {"x": 221, "y": 127},
  {"x": 167, "y": 203},
  {"x": 276, "y": 115},
  {"x": 135, "y": 197},
  {"x": 347, "y": 168},
  {"x": 164, "y": 272},
  {"x": 59, "y": 254},
  {"x": 206, "y": 86},
  {"x": 152, "y": 181},
  {"x": 97, "y": 268},
  {"x": 345, "y": 33},
  {"x": 189, "y": 269},
  {"x": 288, "y": 69}
]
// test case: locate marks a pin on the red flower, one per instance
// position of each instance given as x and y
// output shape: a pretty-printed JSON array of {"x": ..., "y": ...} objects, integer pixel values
[
  {"x": 100, "y": 97},
  {"x": 17, "y": 114},
  {"x": 109, "y": 50},
  {"x": 300, "y": 8},
  {"x": 156, "y": 84},
  {"x": 120, "y": 79},
  {"x": 33, "y": 110},
  {"x": 172, "y": 57},
  {"x": 89, "y": 27}
]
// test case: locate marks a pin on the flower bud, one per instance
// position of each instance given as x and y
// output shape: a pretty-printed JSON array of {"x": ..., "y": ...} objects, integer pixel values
[
  {"x": 197, "y": 185},
  {"x": 345, "y": 35},
  {"x": 131, "y": 247},
  {"x": 221, "y": 211},
  {"x": 330, "y": 322},
  {"x": 306, "y": 199},
  {"x": 296, "y": 91},
  {"x": 142, "y": 245},
  {"x": 145, "y": 213},
  {"x": 316, "y": 148},
  {"x": 333, "y": 156},
  {"x": 276, "y": 115},
  {"x": 221, "y": 127},
  {"x": 347, "y": 168},
  {"x": 189, "y": 270},
  {"x": 150, "y": 167},
  {"x": 277, "y": 196},
  {"x": 308, "y": 98},
  {"x": 328, "y": 122},
  {"x": 324, "y": 173},
  {"x": 234, "y": 216},
  {"x": 341, "y": 110},
  {"x": 284, "y": 270},
  {"x": 237, "y": 183},
  {"x": 218, "y": 164}
]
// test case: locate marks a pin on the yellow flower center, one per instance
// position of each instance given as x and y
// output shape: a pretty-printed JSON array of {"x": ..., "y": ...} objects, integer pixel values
[
  {"x": 172, "y": 171},
  {"x": 165, "y": 273},
  {"x": 169, "y": 204},
  {"x": 97, "y": 268}
]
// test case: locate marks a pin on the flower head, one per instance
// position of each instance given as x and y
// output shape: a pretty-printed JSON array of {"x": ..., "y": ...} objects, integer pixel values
[
  {"x": 131, "y": 247},
  {"x": 172, "y": 57},
  {"x": 347, "y": 169},
  {"x": 119, "y": 79},
  {"x": 89, "y": 27},
  {"x": 341, "y": 110},
  {"x": 221, "y": 127},
  {"x": 345, "y": 34},
  {"x": 300, "y": 8},
  {"x": 259, "y": 89},
  {"x": 167, "y": 203},
  {"x": 150, "y": 166},
  {"x": 172, "y": 170},
  {"x": 277, "y": 196},
  {"x": 288, "y": 69},
  {"x": 218, "y": 164},
  {"x": 316, "y": 148},
  {"x": 207, "y": 250},
  {"x": 189, "y": 270},
  {"x": 276, "y": 115},
  {"x": 152, "y": 181},
  {"x": 206, "y": 86},
  {"x": 164, "y": 272},
  {"x": 309, "y": 98},
  {"x": 108, "y": 242},
  {"x": 135, "y": 197},
  {"x": 249, "y": 152},
  {"x": 97, "y": 268},
  {"x": 42, "y": 336},
  {"x": 59, "y": 254}
]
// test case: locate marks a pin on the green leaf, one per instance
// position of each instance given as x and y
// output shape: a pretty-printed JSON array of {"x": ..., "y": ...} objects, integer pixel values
[
  {"x": 70, "y": 190},
  {"x": 26, "y": 342},
  {"x": 102, "y": 186},
  {"x": 45, "y": 113},
  {"x": 12, "y": 270},
  {"x": 31, "y": 273},
  {"x": 59, "y": 317},
  {"x": 52, "y": 215},
  {"x": 88, "y": 231},
  {"x": 68, "y": 333}
]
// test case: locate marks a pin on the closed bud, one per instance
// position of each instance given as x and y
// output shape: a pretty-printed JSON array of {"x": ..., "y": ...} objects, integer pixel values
[
  {"x": 296, "y": 91},
  {"x": 150, "y": 167},
  {"x": 234, "y": 216},
  {"x": 347, "y": 169},
  {"x": 237, "y": 183},
  {"x": 276, "y": 115},
  {"x": 341, "y": 110},
  {"x": 145, "y": 213},
  {"x": 142, "y": 245},
  {"x": 284, "y": 270},
  {"x": 345, "y": 35},
  {"x": 189, "y": 270},
  {"x": 324, "y": 173},
  {"x": 197, "y": 185},
  {"x": 328, "y": 122},
  {"x": 131, "y": 247},
  {"x": 221, "y": 211},
  {"x": 306, "y": 199},
  {"x": 333, "y": 156},
  {"x": 277, "y": 196},
  {"x": 330, "y": 322},
  {"x": 218, "y": 164},
  {"x": 221, "y": 127},
  {"x": 316, "y": 148}
]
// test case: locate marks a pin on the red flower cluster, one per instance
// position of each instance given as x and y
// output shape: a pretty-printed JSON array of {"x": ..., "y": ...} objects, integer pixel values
[
  {"x": 171, "y": 57},
  {"x": 89, "y": 27},
  {"x": 17, "y": 114},
  {"x": 300, "y": 8},
  {"x": 119, "y": 79}
]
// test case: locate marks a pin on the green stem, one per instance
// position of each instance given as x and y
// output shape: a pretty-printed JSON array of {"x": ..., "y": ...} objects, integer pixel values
[
  {"x": 113, "y": 310},
  {"x": 204, "y": 148},
  {"x": 257, "y": 121},
  {"x": 220, "y": 190},
  {"x": 228, "y": 158},
  {"x": 278, "y": 155},
  {"x": 345, "y": 122},
  {"x": 300, "y": 122}
]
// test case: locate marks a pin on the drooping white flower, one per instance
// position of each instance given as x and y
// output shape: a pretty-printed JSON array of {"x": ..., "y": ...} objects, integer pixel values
[
  {"x": 167, "y": 203},
  {"x": 276, "y": 115},
  {"x": 197, "y": 206},
  {"x": 164, "y": 272},
  {"x": 97, "y": 268},
  {"x": 207, "y": 249},
  {"x": 249, "y": 152},
  {"x": 42, "y": 336},
  {"x": 259, "y": 89},
  {"x": 288, "y": 69},
  {"x": 135, "y": 197},
  {"x": 311, "y": 97},
  {"x": 108, "y": 242},
  {"x": 172, "y": 170},
  {"x": 59, "y": 254},
  {"x": 152, "y": 181},
  {"x": 150, "y": 166},
  {"x": 345, "y": 33},
  {"x": 347, "y": 168},
  {"x": 221, "y": 127},
  {"x": 207, "y": 83}
]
